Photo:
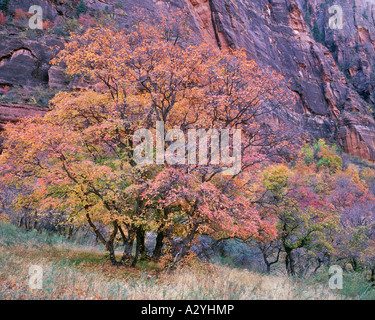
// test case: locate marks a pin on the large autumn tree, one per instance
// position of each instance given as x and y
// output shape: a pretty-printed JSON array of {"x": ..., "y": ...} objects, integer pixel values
[{"x": 80, "y": 156}]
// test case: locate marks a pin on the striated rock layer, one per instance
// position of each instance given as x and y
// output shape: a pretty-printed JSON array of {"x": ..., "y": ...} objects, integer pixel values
[
  {"x": 13, "y": 112},
  {"x": 331, "y": 71}
]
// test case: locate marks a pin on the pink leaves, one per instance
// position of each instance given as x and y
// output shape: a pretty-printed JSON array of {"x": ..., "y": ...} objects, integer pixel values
[{"x": 204, "y": 204}]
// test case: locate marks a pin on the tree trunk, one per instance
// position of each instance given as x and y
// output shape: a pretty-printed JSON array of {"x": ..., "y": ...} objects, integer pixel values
[
  {"x": 70, "y": 233},
  {"x": 354, "y": 265},
  {"x": 108, "y": 244},
  {"x": 140, "y": 236},
  {"x": 289, "y": 262},
  {"x": 372, "y": 279},
  {"x": 111, "y": 251},
  {"x": 162, "y": 234},
  {"x": 20, "y": 222},
  {"x": 128, "y": 244},
  {"x": 159, "y": 243},
  {"x": 268, "y": 265},
  {"x": 142, "y": 246},
  {"x": 186, "y": 244}
]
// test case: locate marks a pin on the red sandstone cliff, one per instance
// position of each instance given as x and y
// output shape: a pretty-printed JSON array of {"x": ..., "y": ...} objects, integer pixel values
[{"x": 332, "y": 71}]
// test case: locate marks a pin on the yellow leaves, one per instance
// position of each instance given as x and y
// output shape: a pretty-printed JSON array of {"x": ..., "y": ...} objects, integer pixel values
[
  {"x": 368, "y": 174},
  {"x": 4, "y": 218},
  {"x": 352, "y": 173},
  {"x": 275, "y": 178}
]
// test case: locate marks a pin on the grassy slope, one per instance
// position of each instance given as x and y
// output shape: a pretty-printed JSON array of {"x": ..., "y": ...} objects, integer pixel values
[{"x": 74, "y": 271}]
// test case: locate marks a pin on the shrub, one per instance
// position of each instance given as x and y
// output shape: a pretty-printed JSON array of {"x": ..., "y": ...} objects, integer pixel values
[
  {"x": 71, "y": 25},
  {"x": 86, "y": 20},
  {"x": 48, "y": 24},
  {"x": 5, "y": 90},
  {"x": 119, "y": 5},
  {"x": 3, "y": 18},
  {"x": 4, "y": 6},
  {"x": 20, "y": 14}
]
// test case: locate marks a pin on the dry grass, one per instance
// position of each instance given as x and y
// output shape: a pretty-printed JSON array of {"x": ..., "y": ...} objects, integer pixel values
[
  {"x": 79, "y": 272},
  {"x": 71, "y": 273}
]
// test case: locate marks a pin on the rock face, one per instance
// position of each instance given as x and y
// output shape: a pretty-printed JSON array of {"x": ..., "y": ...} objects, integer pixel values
[
  {"x": 24, "y": 62},
  {"x": 56, "y": 77},
  {"x": 331, "y": 71}
]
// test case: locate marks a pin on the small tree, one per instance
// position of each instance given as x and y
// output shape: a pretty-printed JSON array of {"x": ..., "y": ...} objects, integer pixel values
[
  {"x": 81, "y": 8},
  {"x": 304, "y": 220},
  {"x": 4, "y": 6}
]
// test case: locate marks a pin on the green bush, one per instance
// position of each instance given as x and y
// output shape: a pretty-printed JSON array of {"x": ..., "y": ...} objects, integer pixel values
[
  {"x": 4, "y": 6},
  {"x": 10, "y": 235},
  {"x": 355, "y": 284},
  {"x": 81, "y": 8}
]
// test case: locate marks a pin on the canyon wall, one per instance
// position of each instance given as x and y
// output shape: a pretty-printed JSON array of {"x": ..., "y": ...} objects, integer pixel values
[{"x": 331, "y": 71}]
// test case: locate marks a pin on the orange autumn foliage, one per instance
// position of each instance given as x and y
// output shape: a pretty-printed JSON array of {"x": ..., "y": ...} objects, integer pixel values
[{"x": 79, "y": 157}]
